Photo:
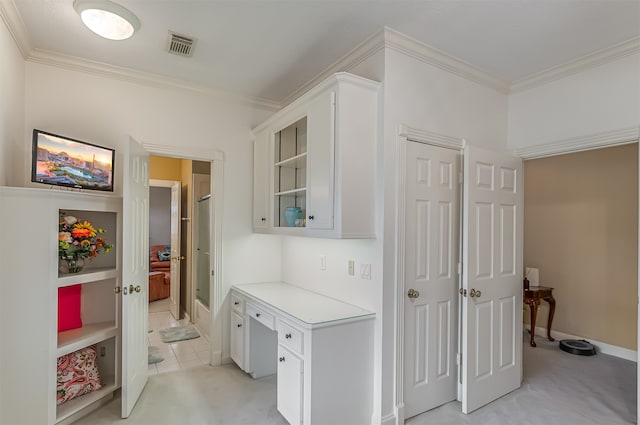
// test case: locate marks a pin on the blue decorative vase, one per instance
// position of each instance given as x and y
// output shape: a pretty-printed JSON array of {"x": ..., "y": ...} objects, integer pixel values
[{"x": 291, "y": 214}]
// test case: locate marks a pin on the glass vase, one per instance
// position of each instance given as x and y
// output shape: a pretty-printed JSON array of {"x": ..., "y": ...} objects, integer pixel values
[{"x": 70, "y": 265}]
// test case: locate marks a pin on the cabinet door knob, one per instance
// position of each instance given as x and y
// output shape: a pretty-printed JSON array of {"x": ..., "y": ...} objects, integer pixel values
[
  {"x": 281, "y": 359},
  {"x": 287, "y": 336},
  {"x": 263, "y": 219},
  {"x": 239, "y": 325},
  {"x": 310, "y": 217},
  {"x": 257, "y": 314},
  {"x": 236, "y": 303}
]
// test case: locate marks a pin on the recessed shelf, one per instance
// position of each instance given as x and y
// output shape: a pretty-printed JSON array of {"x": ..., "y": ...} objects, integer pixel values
[
  {"x": 298, "y": 161},
  {"x": 87, "y": 275},
  {"x": 75, "y": 339},
  {"x": 291, "y": 192},
  {"x": 63, "y": 411}
]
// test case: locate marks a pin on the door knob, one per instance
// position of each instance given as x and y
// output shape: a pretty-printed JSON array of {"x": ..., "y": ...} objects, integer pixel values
[
  {"x": 412, "y": 293},
  {"x": 133, "y": 289},
  {"x": 178, "y": 258},
  {"x": 117, "y": 289},
  {"x": 475, "y": 293}
]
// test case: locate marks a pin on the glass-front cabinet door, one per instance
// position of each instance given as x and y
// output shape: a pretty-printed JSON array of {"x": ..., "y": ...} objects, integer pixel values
[{"x": 290, "y": 175}]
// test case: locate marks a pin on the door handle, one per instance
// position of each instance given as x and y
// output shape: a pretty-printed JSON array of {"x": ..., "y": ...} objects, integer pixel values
[
  {"x": 178, "y": 258},
  {"x": 475, "y": 293},
  {"x": 133, "y": 289},
  {"x": 412, "y": 293}
]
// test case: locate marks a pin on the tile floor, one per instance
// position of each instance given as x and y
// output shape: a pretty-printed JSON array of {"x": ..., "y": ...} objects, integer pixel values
[{"x": 177, "y": 355}]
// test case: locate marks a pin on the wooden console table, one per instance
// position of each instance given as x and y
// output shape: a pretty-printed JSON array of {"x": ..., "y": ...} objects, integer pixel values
[{"x": 532, "y": 297}]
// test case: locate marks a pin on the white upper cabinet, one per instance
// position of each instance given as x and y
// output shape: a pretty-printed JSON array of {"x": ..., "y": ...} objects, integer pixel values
[
  {"x": 314, "y": 162},
  {"x": 260, "y": 183}
]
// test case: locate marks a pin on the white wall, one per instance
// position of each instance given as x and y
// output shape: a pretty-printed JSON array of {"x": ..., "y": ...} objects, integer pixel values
[
  {"x": 159, "y": 216},
  {"x": 11, "y": 110},
  {"x": 107, "y": 111},
  {"x": 424, "y": 97},
  {"x": 597, "y": 100}
]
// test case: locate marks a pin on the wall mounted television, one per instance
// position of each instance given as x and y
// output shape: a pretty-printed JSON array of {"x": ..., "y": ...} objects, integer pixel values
[{"x": 62, "y": 161}]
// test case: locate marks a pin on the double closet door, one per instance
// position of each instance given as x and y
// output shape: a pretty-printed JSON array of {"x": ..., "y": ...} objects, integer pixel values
[{"x": 462, "y": 276}]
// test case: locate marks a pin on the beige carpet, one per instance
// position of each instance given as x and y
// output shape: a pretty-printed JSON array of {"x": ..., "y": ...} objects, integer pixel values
[{"x": 558, "y": 388}]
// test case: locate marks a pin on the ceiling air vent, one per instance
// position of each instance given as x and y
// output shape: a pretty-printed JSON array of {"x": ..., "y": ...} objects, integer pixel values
[{"x": 180, "y": 44}]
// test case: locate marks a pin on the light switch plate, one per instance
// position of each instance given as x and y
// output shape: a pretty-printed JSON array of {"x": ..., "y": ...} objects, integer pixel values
[
  {"x": 365, "y": 271},
  {"x": 351, "y": 268}
]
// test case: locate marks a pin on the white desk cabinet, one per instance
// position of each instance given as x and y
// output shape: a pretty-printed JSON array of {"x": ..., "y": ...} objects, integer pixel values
[
  {"x": 321, "y": 349},
  {"x": 318, "y": 155}
]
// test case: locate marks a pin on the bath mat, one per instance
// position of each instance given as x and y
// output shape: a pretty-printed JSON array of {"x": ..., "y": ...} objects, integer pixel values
[
  {"x": 179, "y": 333},
  {"x": 155, "y": 356}
]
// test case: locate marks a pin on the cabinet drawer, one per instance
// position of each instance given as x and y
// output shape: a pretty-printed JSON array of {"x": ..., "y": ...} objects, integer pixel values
[
  {"x": 237, "y": 303},
  {"x": 261, "y": 316},
  {"x": 290, "y": 337}
]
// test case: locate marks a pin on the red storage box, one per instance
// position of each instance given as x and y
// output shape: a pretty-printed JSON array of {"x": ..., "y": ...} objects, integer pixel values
[{"x": 69, "y": 301}]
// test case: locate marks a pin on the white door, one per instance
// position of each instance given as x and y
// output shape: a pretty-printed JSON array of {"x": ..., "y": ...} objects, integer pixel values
[
  {"x": 174, "y": 294},
  {"x": 492, "y": 276},
  {"x": 320, "y": 161},
  {"x": 430, "y": 276},
  {"x": 135, "y": 274}
]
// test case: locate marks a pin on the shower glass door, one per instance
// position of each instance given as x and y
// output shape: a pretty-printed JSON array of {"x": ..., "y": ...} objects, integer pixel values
[{"x": 201, "y": 234}]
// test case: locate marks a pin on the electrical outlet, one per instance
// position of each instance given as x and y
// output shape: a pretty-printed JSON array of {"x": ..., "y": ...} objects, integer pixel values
[
  {"x": 365, "y": 271},
  {"x": 351, "y": 268},
  {"x": 323, "y": 262}
]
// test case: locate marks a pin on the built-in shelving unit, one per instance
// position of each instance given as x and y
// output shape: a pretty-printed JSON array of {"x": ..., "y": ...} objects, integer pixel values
[
  {"x": 31, "y": 343},
  {"x": 99, "y": 310},
  {"x": 290, "y": 172}
]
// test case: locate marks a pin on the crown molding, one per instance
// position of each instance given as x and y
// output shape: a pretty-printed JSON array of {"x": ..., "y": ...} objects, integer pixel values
[
  {"x": 392, "y": 39},
  {"x": 429, "y": 137},
  {"x": 184, "y": 152},
  {"x": 347, "y": 62},
  {"x": 432, "y": 56},
  {"x": 581, "y": 143},
  {"x": 139, "y": 77},
  {"x": 592, "y": 60},
  {"x": 15, "y": 25}
]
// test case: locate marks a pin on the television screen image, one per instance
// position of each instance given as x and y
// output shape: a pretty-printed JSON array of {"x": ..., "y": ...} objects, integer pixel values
[{"x": 61, "y": 161}]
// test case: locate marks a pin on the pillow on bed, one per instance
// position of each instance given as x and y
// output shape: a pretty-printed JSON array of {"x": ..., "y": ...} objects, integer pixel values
[
  {"x": 77, "y": 374},
  {"x": 164, "y": 255}
]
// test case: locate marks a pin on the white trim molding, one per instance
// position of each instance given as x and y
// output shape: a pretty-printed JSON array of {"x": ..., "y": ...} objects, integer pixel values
[
  {"x": 185, "y": 152},
  {"x": 138, "y": 77},
  {"x": 592, "y": 60},
  {"x": 15, "y": 25},
  {"x": 440, "y": 59},
  {"x": 430, "y": 138},
  {"x": 601, "y": 347},
  {"x": 610, "y": 138}
]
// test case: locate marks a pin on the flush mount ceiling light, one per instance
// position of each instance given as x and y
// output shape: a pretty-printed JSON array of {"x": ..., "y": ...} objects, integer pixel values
[{"x": 107, "y": 19}]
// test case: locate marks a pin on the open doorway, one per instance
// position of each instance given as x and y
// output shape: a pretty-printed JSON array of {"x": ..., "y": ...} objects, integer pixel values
[{"x": 180, "y": 232}]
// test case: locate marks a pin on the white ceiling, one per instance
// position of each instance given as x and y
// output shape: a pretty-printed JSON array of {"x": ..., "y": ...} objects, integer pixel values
[{"x": 269, "y": 48}]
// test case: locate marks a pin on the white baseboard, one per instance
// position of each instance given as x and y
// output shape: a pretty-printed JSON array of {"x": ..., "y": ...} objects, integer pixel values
[
  {"x": 602, "y": 347},
  {"x": 389, "y": 419}
]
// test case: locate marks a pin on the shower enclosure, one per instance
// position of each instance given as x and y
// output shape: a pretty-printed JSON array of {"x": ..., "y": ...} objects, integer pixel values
[{"x": 201, "y": 278}]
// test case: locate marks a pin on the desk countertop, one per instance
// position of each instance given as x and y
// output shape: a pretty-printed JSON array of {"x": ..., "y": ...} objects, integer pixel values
[{"x": 307, "y": 306}]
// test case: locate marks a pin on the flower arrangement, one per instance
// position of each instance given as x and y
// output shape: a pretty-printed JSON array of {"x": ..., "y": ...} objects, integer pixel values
[{"x": 78, "y": 239}]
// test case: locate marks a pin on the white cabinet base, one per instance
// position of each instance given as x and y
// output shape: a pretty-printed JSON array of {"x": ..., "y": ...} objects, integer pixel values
[{"x": 321, "y": 349}]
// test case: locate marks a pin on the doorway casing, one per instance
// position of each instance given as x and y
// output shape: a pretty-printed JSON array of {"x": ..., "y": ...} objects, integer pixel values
[{"x": 216, "y": 158}]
